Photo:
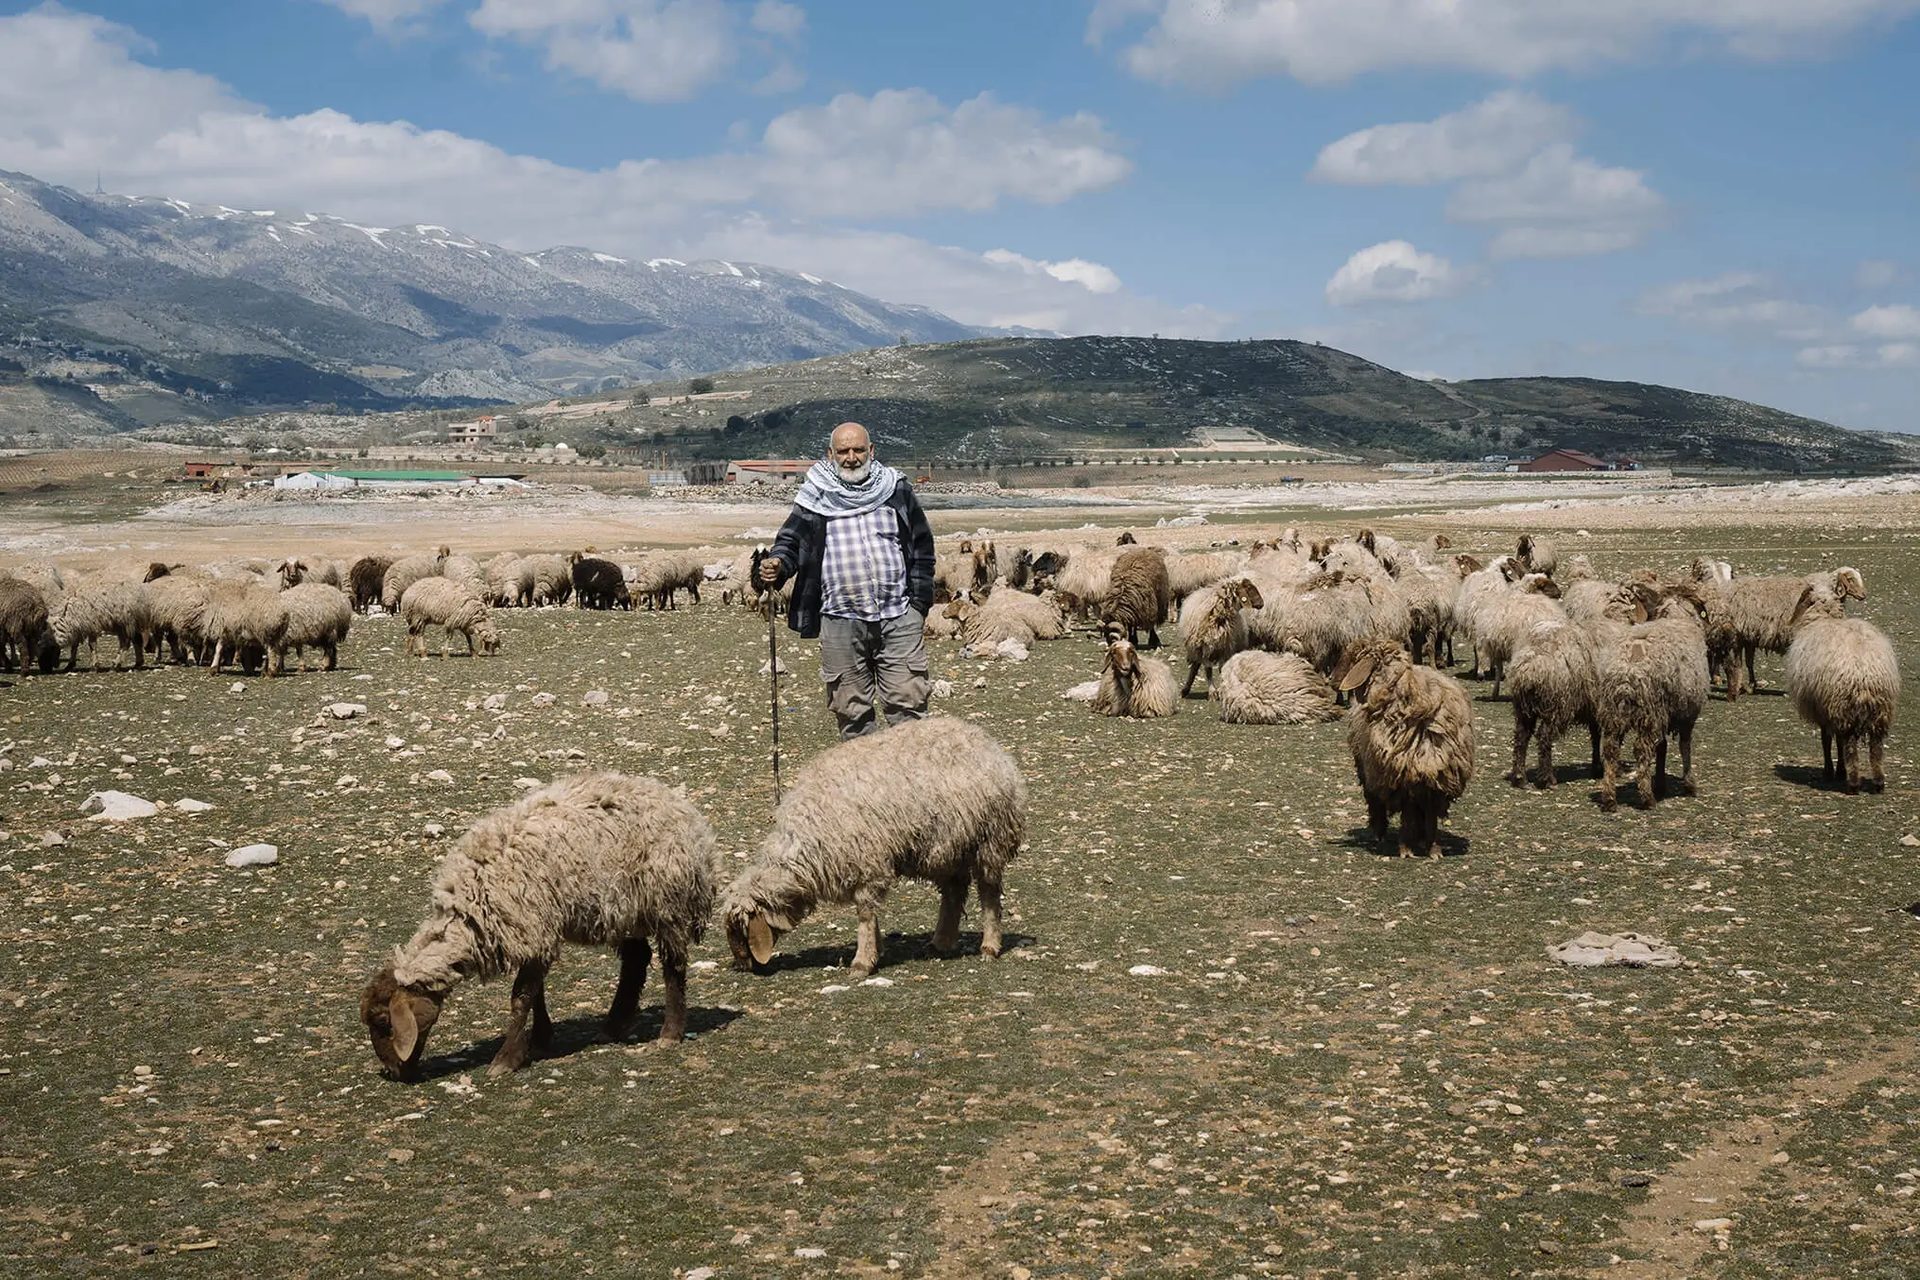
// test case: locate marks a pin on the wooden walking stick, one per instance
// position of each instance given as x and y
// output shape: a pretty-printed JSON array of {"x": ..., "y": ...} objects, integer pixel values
[{"x": 773, "y": 675}]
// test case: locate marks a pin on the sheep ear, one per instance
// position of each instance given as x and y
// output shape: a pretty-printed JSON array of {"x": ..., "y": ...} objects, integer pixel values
[
  {"x": 759, "y": 939},
  {"x": 1806, "y": 599},
  {"x": 406, "y": 1030},
  {"x": 1252, "y": 596},
  {"x": 1358, "y": 674},
  {"x": 1639, "y": 611}
]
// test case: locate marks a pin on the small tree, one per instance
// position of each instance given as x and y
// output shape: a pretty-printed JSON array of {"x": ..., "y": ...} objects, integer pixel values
[
  {"x": 640, "y": 400},
  {"x": 699, "y": 386}
]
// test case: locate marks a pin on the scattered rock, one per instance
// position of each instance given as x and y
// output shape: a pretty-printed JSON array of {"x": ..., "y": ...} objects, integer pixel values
[
  {"x": 1910, "y": 840},
  {"x": 1591, "y": 950},
  {"x": 542, "y": 699},
  {"x": 699, "y": 1273},
  {"x": 117, "y": 806},
  {"x": 1636, "y": 1179},
  {"x": 400, "y": 1155},
  {"x": 1086, "y": 691},
  {"x": 254, "y": 855},
  {"x": 494, "y": 702},
  {"x": 877, "y": 982},
  {"x": 51, "y": 839},
  {"x": 439, "y": 775},
  {"x": 943, "y": 688},
  {"x": 433, "y": 831},
  {"x": 238, "y": 686},
  {"x": 809, "y": 1253},
  {"x": 594, "y": 698},
  {"x": 394, "y": 743},
  {"x": 346, "y": 710},
  {"x": 765, "y": 669},
  {"x": 1147, "y": 971},
  {"x": 190, "y": 805}
]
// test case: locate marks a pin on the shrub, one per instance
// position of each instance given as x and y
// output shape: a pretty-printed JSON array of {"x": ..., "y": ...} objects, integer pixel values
[{"x": 699, "y": 386}]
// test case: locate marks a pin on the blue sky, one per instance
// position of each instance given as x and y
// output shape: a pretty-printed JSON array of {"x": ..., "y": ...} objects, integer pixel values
[{"x": 1717, "y": 194}]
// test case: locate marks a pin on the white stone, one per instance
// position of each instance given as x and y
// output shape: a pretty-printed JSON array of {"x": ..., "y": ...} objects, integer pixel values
[
  {"x": 542, "y": 699},
  {"x": 1147, "y": 971},
  {"x": 394, "y": 743},
  {"x": 1591, "y": 950},
  {"x": 117, "y": 806},
  {"x": 1086, "y": 691},
  {"x": 346, "y": 710},
  {"x": 51, "y": 839},
  {"x": 190, "y": 805},
  {"x": 943, "y": 688},
  {"x": 494, "y": 701},
  {"x": 439, "y": 775},
  {"x": 594, "y": 698},
  {"x": 254, "y": 855},
  {"x": 877, "y": 982},
  {"x": 766, "y": 670},
  {"x": 433, "y": 831},
  {"x": 238, "y": 686}
]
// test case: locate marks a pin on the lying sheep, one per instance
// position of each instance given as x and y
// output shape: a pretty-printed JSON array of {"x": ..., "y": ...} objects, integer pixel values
[
  {"x": 365, "y": 577},
  {"x": 599, "y": 584},
  {"x": 599, "y": 860},
  {"x": 941, "y": 624},
  {"x": 1411, "y": 734},
  {"x": 1256, "y": 687},
  {"x": 1653, "y": 684},
  {"x": 94, "y": 607},
  {"x": 405, "y": 573},
  {"x": 318, "y": 617},
  {"x": 1138, "y": 595},
  {"x": 966, "y": 573},
  {"x": 1845, "y": 681},
  {"x": 26, "y": 639},
  {"x": 1136, "y": 687},
  {"x": 953, "y": 811},
  {"x": 1213, "y": 627},
  {"x": 436, "y": 602}
]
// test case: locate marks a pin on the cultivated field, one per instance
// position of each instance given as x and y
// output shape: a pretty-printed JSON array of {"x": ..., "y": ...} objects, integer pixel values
[{"x": 1339, "y": 1064}]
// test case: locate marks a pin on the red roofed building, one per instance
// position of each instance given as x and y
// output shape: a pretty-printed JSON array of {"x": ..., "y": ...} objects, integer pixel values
[{"x": 1566, "y": 460}]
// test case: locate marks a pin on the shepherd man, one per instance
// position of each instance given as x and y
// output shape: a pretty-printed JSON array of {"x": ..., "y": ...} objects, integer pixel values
[{"x": 859, "y": 545}]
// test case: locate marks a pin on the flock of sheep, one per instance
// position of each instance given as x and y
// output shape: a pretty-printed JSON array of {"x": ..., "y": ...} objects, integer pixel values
[{"x": 1283, "y": 631}]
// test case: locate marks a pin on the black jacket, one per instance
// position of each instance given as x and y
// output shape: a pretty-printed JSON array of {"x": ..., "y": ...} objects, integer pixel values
[{"x": 802, "y": 544}]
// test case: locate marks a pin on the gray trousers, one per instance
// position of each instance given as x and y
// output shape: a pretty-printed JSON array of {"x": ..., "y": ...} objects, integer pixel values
[{"x": 869, "y": 665}]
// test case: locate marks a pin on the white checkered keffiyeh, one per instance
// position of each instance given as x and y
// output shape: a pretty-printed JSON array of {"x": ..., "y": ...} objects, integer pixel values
[{"x": 863, "y": 573}]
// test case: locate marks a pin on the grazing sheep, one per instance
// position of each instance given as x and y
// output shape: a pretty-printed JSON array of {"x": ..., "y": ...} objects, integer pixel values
[
  {"x": 465, "y": 570},
  {"x": 245, "y": 623},
  {"x": 1213, "y": 627},
  {"x": 1536, "y": 555},
  {"x": 405, "y": 573},
  {"x": 1653, "y": 684},
  {"x": 599, "y": 584},
  {"x": 26, "y": 639},
  {"x": 935, "y": 800},
  {"x": 318, "y": 616},
  {"x": 1136, "y": 687},
  {"x": 1323, "y": 618},
  {"x": 95, "y": 607},
  {"x": 1431, "y": 591},
  {"x": 176, "y": 612},
  {"x": 1411, "y": 734},
  {"x": 503, "y": 580},
  {"x": 1761, "y": 610},
  {"x": 45, "y": 578},
  {"x": 545, "y": 579},
  {"x": 1845, "y": 681},
  {"x": 1553, "y": 680},
  {"x": 1138, "y": 594},
  {"x": 365, "y": 577},
  {"x": 598, "y": 860},
  {"x": 1256, "y": 687},
  {"x": 436, "y": 602}
]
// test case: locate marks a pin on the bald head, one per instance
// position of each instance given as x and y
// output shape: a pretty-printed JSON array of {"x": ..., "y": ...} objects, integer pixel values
[{"x": 852, "y": 451}]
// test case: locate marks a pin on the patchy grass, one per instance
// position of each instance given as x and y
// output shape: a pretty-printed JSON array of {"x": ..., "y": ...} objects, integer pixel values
[{"x": 1354, "y": 1064}]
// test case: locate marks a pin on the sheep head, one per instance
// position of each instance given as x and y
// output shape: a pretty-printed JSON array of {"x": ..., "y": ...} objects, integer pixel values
[
  {"x": 1441, "y": 542},
  {"x": 1123, "y": 661},
  {"x": 756, "y": 914},
  {"x": 1540, "y": 584},
  {"x": 1465, "y": 565},
  {"x": 1815, "y": 604},
  {"x": 1367, "y": 663},
  {"x": 398, "y": 1018},
  {"x": 1524, "y": 550},
  {"x": 1366, "y": 539},
  {"x": 487, "y": 636},
  {"x": 1848, "y": 584},
  {"x": 157, "y": 570},
  {"x": 1126, "y": 539},
  {"x": 1244, "y": 594},
  {"x": 1320, "y": 548}
]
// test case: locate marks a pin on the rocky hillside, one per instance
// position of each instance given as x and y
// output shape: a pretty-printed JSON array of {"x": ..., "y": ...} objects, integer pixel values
[{"x": 130, "y": 310}]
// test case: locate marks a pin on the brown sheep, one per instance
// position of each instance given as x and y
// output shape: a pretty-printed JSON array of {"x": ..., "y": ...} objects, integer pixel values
[
  {"x": 1411, "y": 734},
  {"x": 1138, "y": 595}
]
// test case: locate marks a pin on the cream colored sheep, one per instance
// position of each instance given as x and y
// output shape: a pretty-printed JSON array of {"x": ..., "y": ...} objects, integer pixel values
[
  {"x": 437, "y": 602},
  {"x": 1136, "y": 687},
  {"x": 1845, "y": 681},
  {"x": 1653, "y": 684},
  {"x": 1213, "y": 627},
  {"x": 1256, "y": 687}
]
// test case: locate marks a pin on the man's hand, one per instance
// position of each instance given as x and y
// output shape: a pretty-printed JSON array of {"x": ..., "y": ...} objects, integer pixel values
[{"x": 770, "y": 570}]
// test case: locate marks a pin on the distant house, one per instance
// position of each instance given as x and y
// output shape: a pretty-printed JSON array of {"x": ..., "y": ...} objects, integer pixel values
[
  {"x": 706, "y": 472},
  {"x": 479, "y": 431},
  {"x": 767, "y": 470},
  {"x": 1566, "y": 460},
  {"x": 206, "y": 469}
]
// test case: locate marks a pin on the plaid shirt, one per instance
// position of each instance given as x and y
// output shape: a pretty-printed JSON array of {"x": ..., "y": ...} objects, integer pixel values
[{"x": 863, "y": 573}]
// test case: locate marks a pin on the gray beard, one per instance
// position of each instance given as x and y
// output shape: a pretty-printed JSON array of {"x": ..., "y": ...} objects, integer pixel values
[{"x": 858, "y": 477}]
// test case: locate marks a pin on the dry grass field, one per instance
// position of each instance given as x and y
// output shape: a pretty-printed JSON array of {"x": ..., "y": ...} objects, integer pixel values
[{"x": 1342, "y": 1064}]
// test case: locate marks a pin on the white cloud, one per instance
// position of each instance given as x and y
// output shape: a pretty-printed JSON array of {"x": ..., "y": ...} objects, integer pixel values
[
  {"x": 1888, "y": 355},
  {"x": 1878, "y": 273},
  {"x": 1896, "y": 322},
  {"x": 1560, "y": 204},
  {"x": 649, "y": 50},
  {"x": 1207, "y": 43},
  {"x": 1491, "y": 137},
  {"x": 1091, "y": 276},
  {"x": 182, "y": 134},
  {"x": 389, "y": 17},
  {"x": 1394, "y": 271},
  {"x": 1741, "y": 301}
]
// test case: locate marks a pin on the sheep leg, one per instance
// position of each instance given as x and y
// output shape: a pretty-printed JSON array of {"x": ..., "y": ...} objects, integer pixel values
[
  {"x": 1378, "y": 819},
  {"x": 1753, "y": 677},
  {"x": 866, "y": 955},
  {"x": 1850, "y": 751},
  {"x": 1660, "y": 766},
  {"x": 333, "y": 655},
  {"x": 1193, "y": 669},
  {"x": 529, "y": 989},
  {"x": 1593, "y": 731},
  {"x": 1409, "y": 828},
  {"x": 1545, "y": 778},
  {"x": 1609, "y": 772},
  {"x": 953, "y": 901},
  {"x": 1826, "y": 755},
  {"x": 1685, "y": 735},
  {"x": 635, "y": 955},
  {"x": 1876, "y": 758},
  {"x": 1522, "y": 732},
  {"x": 673, "y": 975},
  {"x": 218, "y": 647},
  {"x": 989, "y": 891},
  {"x": 1645, "y": 766}
]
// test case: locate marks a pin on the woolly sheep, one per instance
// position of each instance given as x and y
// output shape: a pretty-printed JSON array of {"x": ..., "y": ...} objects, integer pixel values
[
  {"x": 598, "y": 860},
  {"x": 662, "y": 574},
  {"x": 244, "y": 622},
  {"x": 1652, "y": 685},
  {"x": 176, "y": 613},
  {"x": 94, "y": 607},
  {"x": 1007, "y": 615},
  {"x": 1845, "y": 681},
  {"x": 598, "y": 584},
  {"x": 1136, "y": 687},
  {"x": 1138, "y": 594},
  {"x": 298, "y": 569},
  {"x": 1083, "y": 580},
  {"x": 1536, "y": 555},
  {"x": 1213, "y": 627},
  {"x": 1411, "y": 734},
  {"x": 1762, "y": 609},
  {"x": 545, "y": 579},
  {"x": 503, "y": 580},
  {"x": 47, "y": 579},
  {"x": 436, "y": 602},
  {"x": 1504, "y": 621},
  {"x": 26, "y": 639},
  {"x": 941, "y": 624},
  {"x": 1188, "y": 571},
  {"x": 365, "y": 577},
  {"x": 1553, "y": 681},
  {"x": 318, "y": 616},
  {"x": 967, "y": 572},
  {"x": 935, "y": 800},
  {"x": 1256, "y": 687},
  {"x": 404, "y": 573}
]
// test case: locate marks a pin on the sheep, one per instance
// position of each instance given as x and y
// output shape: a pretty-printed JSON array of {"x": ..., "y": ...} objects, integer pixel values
[
  {"x": 661, "y": 574},
  {"x": 1011, "y": 615},
  {"x": 968, "y": 572},
  {"x": 405, "y": 573},
  {"x": 244, "y": 621},
  {"x": 981, "y": 630},
  {"x": 437, "y": 602},
  {"x": 1536, "y": 555},
  {"x": 597, "y": 859},
  {"x": 95, "y": 607},
  {"x": 25, "y": 636},
  {"x": 941, "y": 624},
  {"x": 1138, "y": 594},
  {"x": 1553, "y": 680},
  {"x": 1083, "y": 580},
  {"x": 1652, "y": 685},
  {"x": 1845, "y": 681},
  {"x": 318, "y": 616},
  {"x": 1411, "y": 734},
  {"x": 466, "y": 571},
  {"x": 1321, "y": 620},
  {"x": 1761, "y": 609},
  {"x": 1188, "y": 572},
  {"x": 758, "y": 595},
  {"x": 1213, "y": 627},
  {"x": 952, "y": 809},
  {"x": 1430, "y": 591},
  {"x": 1504, "y": 621},
  {"x": 1256, "y": 687},
  {"x": 45, "y": 578},
  {"x": 545, "y": 579},
  {"x": 295, "y": 570},
  {"x": 599, "y": 584},
  {"x": 1133, "y": 686},
  {"x": 503, "y": 580},
  {"x": 365, "y": 577},
  {"x": 176, "y": 612}
]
